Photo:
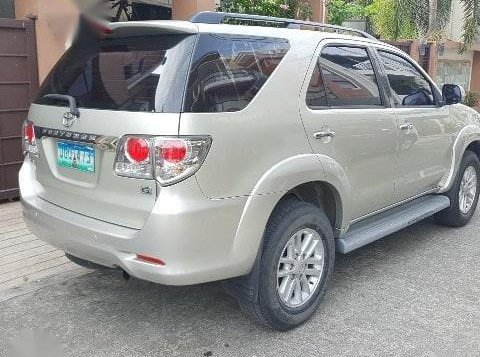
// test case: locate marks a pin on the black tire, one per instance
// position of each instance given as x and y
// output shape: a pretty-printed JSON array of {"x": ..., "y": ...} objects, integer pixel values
[
  {"x": 453, "y": 216},
  {"x": 257, "y": 292}
]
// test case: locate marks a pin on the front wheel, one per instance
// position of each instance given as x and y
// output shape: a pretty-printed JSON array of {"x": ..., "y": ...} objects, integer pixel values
[
  {"x": 463, "y": 194},
  {"x": 290, "y": 278}
]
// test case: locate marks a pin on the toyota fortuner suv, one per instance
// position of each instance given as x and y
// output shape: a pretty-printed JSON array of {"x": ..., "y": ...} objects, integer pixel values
[{"x": 244, "y": 149}]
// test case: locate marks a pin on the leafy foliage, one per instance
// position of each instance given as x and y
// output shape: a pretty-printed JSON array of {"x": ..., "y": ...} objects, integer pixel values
[
  {"x": 278, "y": 8},
  {"x": 471, "y": 99},
  {"x": 471, "y": 23},
  {"x": 342, "y": 10},
  {"x": 406, "y": 19},
  {"x": 392, "y": 19}
]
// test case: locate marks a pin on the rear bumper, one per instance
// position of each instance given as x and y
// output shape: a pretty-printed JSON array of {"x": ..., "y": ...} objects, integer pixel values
[{"x": 193, "y": 235}]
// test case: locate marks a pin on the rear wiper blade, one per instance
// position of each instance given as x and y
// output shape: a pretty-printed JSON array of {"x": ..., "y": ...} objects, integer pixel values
[{"x": 66, "y": 98}]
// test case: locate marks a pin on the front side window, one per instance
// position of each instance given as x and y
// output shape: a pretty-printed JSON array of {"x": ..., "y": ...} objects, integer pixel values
[
  {"x": 228, "y": 71},
  {"x": 409, "y": 86},
  {"x": 348, "y": 79}
]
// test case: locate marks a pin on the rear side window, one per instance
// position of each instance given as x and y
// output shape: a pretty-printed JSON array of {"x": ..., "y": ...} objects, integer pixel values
[
  {"x": 141, "y": 73},
  {"x": 410, "y": 87},
  {"x": 343, "y": 77},
  {"x": 227, "y": 72}
]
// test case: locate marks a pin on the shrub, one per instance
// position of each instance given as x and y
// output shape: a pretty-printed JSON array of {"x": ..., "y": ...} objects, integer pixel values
[
  {"x": 342, "y": 10},
  {"x": 471, "y": 99},
  {"x": 278, "y": 8}
]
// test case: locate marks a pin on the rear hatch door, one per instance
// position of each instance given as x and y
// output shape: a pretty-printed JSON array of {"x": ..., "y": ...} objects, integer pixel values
[{"x": 129, "y": 82}]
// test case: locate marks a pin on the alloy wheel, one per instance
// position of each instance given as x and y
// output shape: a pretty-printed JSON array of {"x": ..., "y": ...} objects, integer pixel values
[
  {"x": 301, "y": 267},
  {"x": 468, "y": 189}
]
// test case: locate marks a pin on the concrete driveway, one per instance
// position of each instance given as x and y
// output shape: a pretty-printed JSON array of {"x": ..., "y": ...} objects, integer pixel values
[{"x": 415, "y": 293}]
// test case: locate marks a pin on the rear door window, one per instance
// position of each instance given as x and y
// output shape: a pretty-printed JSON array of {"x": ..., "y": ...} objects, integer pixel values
[
  {"x": 343, "y": 77},
  {"x": 228, "y": 71},
  {"x": 141, "y": 73}
]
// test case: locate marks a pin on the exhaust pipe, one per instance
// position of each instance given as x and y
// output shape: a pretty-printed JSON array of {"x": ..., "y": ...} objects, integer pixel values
[{"x": 125, "y": 275}]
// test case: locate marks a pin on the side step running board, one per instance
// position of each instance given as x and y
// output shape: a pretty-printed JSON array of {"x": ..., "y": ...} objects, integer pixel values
[{"x": 391, "y": 221}]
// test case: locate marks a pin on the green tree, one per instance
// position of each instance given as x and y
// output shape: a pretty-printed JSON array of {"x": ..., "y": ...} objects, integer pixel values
[
  {"x": 339, "y": 11},
  {"x": 278, "y": 8},
  {"x": 395, "y": 19}
]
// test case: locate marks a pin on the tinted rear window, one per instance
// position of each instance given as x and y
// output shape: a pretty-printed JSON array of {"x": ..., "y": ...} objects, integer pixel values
[
  {"x": 228, "y": 72},
  {"x": 141, "y": 73}
]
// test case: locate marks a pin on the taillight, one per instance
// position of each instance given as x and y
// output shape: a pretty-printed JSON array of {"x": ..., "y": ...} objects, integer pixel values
[
  {"x": 133, "y": 158},
  {"x": 166, "y": 159},
  {"x": 137, "y": 149},
  {"x": 179, "y": 158},
  {"x": 173, "y": 151},
  {"x": 29, "y": 132},
  {"x": 29, "y": 139}
]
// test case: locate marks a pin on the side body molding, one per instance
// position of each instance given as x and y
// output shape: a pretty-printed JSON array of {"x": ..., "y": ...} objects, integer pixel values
[{"x": 271, "y": 187}]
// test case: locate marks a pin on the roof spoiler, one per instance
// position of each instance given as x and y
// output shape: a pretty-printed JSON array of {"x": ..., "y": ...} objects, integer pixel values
[{"x": 138, "y": 28}]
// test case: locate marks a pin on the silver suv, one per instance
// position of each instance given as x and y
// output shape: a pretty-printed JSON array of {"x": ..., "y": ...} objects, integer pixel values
[{"x": 241, "y": 148}]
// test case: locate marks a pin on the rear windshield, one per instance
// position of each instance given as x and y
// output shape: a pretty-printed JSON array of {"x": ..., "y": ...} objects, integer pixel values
[
  {"x": 141, "y": 73},
  {"x": 228, "y": 71}
]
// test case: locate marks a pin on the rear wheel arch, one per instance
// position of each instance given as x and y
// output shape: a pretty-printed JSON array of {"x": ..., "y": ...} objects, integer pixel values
[
  {"x": 322, "y": 195},
  {"x": 474, "y": 146}
]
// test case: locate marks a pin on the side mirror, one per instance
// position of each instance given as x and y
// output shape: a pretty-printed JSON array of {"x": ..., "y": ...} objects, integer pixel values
[{"x": 453, "y": 94}]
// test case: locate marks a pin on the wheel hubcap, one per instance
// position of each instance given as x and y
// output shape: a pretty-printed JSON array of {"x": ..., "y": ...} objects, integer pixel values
[
  {"x": 468, "y": 189},
  {"x": 301, "y": 267}
]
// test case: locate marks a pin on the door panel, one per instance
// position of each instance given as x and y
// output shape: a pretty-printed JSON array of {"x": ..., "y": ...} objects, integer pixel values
[
  {"x": 362, "y": 138},
  {"x": 424, "y": 149},
  {"x": 365, "y": 146},
  {"x": 425, "y": 130}
]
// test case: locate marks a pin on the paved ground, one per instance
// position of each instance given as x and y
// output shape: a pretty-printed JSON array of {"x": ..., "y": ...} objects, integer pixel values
[
  {"x": 24, "y": 259},
  {"x": 415, "y": 293}
]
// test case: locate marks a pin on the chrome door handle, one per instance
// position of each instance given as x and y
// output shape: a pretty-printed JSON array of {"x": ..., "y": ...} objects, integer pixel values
[
  {"x": 324, "y": 134},
  {"x": 406, "y": 126}
]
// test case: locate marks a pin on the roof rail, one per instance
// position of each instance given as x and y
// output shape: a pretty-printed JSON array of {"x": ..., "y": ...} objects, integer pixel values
[{"x": 210, "y": 17}]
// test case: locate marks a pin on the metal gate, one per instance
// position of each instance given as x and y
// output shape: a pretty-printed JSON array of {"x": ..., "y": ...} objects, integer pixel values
[{"x": 18, "y": 87}]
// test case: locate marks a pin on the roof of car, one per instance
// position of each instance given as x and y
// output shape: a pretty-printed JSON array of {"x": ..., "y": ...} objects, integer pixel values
[
  {"x": 189, "y": 27},
  {"x": 173, "y": 26}
]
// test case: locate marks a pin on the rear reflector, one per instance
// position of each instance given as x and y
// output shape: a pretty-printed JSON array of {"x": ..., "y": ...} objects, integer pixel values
[{"x": 149, "y": 259}]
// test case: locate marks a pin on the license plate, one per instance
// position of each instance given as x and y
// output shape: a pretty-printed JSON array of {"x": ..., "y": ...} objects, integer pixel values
[{"x": 76, "y": 156}]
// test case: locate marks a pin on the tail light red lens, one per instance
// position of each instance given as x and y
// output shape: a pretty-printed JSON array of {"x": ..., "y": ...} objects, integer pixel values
[
  {"x": 137, "y": 149},
  {"x": 167, "y": 159},
  {"x": 174, "y": 151},
  {"x": 29, "y": 140},
  {"x": 29, "y": 132}
]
